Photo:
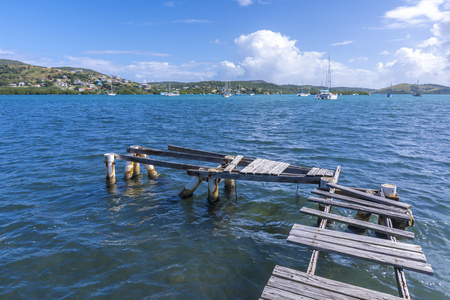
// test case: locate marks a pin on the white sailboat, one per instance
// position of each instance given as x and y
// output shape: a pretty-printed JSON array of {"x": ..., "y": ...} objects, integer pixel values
[
  {"x": 226, "y": 91},
  {"x": 111, "y": 92},
  {"x": 303, "y": 94},
  {"x": 326, "y": 94},
  {"x": 172, "y": 93}
]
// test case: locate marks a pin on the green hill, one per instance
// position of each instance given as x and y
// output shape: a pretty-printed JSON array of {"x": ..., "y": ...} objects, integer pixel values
[
  {"x": 405, "y": 88},
  {"x": 19, "y": 78}
]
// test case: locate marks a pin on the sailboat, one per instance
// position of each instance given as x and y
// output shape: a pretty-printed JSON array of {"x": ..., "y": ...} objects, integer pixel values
[
  {"x": 226, "y": 91},
  {"x": 303, "y": 94},
  {"x": 111, "y": 92},
  {"x": 389, "y": 94},
  {"x": 417, "y": 93},
  {"x": 172, "y": 93},
  {"x": 326, "y": 94}
]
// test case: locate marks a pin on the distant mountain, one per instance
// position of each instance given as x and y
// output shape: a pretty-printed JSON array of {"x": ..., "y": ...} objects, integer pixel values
[{"x": 406, "y": 88}]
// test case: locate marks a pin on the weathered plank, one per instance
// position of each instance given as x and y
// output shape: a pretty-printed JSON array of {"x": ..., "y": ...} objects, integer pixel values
[
  {"x": 232, "y": 165},
  {"x": 286, "y": 178},
  {"x": 279, "y": 168},
  {"x": 370, "y": 197},
  {"x": 159, "y": 163},
  {"x": 305, "y": 290},
  {"x": 323, "y": 224},
  {"x": 313, "y": 171},
  {"x": 358, "y": 201},
  {"x": 377, "y": 211},
  {"x": 357, "y": 223},
  {"x": 407, "y": 264},
  {"x": 273, "y": 293},
  {"x": 356, "y": 237},
  {"x": 180, "y": 155},
  {"x": 334, "y": 286},
  {"x": 243, "y": 163},
  {"x": 359, "y": 245}
]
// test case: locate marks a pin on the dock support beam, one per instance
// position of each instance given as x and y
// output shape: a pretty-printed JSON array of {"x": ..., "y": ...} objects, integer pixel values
[
  {"x": 229, "y": 185},
  {"x": 110, "y": 169},
  {"x": 151, "y": 172},
  {"x": 190, "y": 187},
  {"x": 213, "y": 190}
]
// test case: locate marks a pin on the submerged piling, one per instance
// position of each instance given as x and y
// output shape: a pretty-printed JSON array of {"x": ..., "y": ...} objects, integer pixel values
[
  {"x": 190, "y": 187},
  {"x": 110, "y": 169}
]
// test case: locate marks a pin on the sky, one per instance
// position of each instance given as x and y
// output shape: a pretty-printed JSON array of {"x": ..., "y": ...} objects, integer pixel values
[{"x": 370, "y": 44}]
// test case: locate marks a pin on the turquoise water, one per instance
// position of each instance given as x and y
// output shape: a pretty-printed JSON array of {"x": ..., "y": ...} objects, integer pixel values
[{"x": 64, "y": 234}]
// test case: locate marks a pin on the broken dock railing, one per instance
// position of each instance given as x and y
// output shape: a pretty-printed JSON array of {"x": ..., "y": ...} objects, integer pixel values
[
  {"x": 393, "y": 217},
  {"x": 230, "y": 168}
]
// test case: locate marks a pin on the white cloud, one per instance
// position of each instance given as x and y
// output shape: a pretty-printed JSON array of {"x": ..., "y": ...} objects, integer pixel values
[
  {"x": 216, "y": 41},
  {"x": 148, "y": 53},
  {"x": 7, "y": 52},
  {"x": 273, "y": 57},
  {"x": 385, "y": 52},
  {"x": 342, "y": 43},
  {"x": 411, "y": 65},
  {"x": 424, "y": 11},
  {"x": 193, "y": 21},
  {"x": 244, "y": 2}
]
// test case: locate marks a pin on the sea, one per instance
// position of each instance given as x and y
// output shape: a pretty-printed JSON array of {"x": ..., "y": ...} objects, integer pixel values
[{"x": 66, "y": 234}]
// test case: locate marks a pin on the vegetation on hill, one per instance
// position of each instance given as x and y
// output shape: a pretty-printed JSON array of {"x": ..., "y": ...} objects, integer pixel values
[{"x": 19, "y": 78}]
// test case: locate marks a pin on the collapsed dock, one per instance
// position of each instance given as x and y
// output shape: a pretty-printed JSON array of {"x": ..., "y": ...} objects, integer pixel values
[{"x": 393, "y": 217}]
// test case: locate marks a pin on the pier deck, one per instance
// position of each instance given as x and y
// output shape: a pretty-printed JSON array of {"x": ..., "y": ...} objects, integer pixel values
[{"x": 286, "y": 283}]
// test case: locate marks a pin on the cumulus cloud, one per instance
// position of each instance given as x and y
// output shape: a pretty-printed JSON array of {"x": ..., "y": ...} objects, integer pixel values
[
  {"x": 423, "y": 12},
  {"x": 273, "y": 57},
  {"x": 430, "y": 59}
]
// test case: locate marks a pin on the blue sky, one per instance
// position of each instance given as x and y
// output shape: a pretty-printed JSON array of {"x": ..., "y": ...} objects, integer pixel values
[{"x": 372, "y": 43}]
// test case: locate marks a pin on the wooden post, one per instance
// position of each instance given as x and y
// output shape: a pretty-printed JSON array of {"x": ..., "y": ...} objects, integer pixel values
[
  {"x": 129, "y": 170},
  {"x": 323, "y": 186},
  {"x": 213, "y": 189},
  {"x": 136, "y": 165},
  {"x": 229, "y": 185},
  {"x": 190, "y": 187},
  {"x": 390, "y": 191},
  {"x": 151, "y": 172},
  {"x": 110, "y": 169}
]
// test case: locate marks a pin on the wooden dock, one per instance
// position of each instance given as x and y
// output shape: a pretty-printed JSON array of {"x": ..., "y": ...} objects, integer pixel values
[
  {"x": 285, "y": 283},
  {"x": 230, "y": 168}
]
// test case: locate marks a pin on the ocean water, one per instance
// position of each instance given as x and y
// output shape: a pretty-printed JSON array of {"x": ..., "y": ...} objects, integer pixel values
[{"x": 65, "y": 235}]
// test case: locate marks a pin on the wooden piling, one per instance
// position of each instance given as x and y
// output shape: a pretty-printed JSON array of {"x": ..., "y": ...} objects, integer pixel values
[
  {"x": 390, "y": 191},
  {"x": 129, "y": 170},
  {"x": 110, "y": 169},
  {"x": 190, "y": 187},
  {"x": 213, "y": 190}
]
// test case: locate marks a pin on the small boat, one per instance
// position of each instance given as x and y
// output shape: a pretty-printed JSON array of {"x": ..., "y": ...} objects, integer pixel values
[
  {"x": 226, "y": 90},
  {"x": 389, "y": 95},
  {"x": 326, "y": 94}
]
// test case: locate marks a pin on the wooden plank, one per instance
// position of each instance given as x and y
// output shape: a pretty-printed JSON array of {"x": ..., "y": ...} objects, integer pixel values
[
  {"x": 359, "y": 245},
  {"x": 180, "y": 155},
  {"x": 313, "y": 171},
  {"x": 243, "y": 163},
  {"x": 370, "y": 197},
  {"x": 331, "y": 285},
  {"x": 232, "y": 165},
  {"x": 321, "y": 172},
  {"x": 279, "y": 168},
  {"x": 286, "y": 178},
  {"x": 323, "y": 224},
  {"x": 358, "y": 201},
  {"x": 356, "y": 237},
  {"x": 377, "y": 211},
  {"x": 273, "y": 293},
  {"x": 264, "y": 166},
  {"x": 304, "y": 290},
  {"x": 159, "y": 163},
  {"x": 251, "y": 166},
  {"x": 357, "y": 223},
  {"x": 407, "y": 264}
]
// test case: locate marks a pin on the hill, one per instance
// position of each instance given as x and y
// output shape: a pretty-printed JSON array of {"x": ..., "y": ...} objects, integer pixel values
[
  {"x": 19, "y": 78},
  {"x": 405, "y": 88}
]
